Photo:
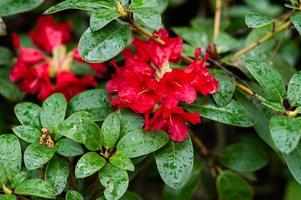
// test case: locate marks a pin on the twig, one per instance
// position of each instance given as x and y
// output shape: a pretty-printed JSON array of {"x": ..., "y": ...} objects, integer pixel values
[
  {"x": 265, "y": 38},
  {"x": 71, "y": 179},
  {"x": 217, "y": 18},
  {"x": 198, "y": 142}
]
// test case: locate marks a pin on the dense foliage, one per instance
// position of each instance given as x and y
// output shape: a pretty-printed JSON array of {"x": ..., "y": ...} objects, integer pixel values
[{"x": 100, "y": 100}]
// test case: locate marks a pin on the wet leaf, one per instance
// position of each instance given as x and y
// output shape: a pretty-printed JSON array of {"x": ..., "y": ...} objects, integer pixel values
[
  {"x": 11, "y": 7},
  {"x": 102, "y": 45},
  {"x": 231, "y": 186},
  {"x": 115, "y": 181},
  {"x": 36, "y": 187},
  {"x": 285, "y": 132},
  {"x": 175, "y": 162},
  {"x": 129, "y": 121},
  {"x": 28, "y": 114},
  {"x": 138, "y": 143},
  {"x": 57, "y": 173},
  {"x": 89, "y": 164},
  {"x": 296, "y": 19},
  {"x": 294, "y": 90},
  {"x": 27, "y": 133},
  {"x": 102, "y": 17},
  {"x": 73, "y": 195},
  {"x": 36, "y": 155},
  {"x": 122, "y": 162},
  {"x": 110, "y": 130},
  {"x": 19, "y": 178},
  {"x": 68, "y": 148},
  {"x": 53, "y": 111},
  {"x": 243, "y": 157},
  {"x": 8, "y": 197},
  {"x": 257, "y": 20}
]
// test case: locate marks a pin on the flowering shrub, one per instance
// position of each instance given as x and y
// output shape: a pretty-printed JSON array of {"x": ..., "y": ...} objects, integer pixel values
[{"x": 105, "y": 116}]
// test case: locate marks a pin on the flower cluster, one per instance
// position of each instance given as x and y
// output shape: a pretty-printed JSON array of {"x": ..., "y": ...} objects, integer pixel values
[
  {"x": 148, "y": 85},
  {"x": 47, "y": 67}
]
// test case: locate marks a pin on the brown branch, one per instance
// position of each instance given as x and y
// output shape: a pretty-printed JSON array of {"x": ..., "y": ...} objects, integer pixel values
[
  {"x": 217, "y": 18},
  {"x": 200, "y": 145}
]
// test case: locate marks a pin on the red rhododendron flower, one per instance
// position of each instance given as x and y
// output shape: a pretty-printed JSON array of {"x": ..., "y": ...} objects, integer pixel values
[
  {"x": 173, "y": 120},
  {"x": 156, "y": 53},
  {"x": 69, "y": 85},
  {"x": 49, "y": 34}
]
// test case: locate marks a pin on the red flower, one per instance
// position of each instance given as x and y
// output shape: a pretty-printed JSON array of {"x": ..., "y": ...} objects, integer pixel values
[
  {"x": 99, "y": 68},
  {"x": 202, "y": 79},
  {"x": 49, "y": 34},
  {"x": 173, "y": 120},
  {"x": 158, "y": 54},
  {"x": 69, "y": 85},
  {"x": 175, "y": 86},
  {"x": 134, "y": 91}
]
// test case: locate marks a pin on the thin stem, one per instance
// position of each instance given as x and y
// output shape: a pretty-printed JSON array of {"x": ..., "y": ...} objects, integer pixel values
[
  {"x": 198, "y": 142},
  {"x": 217, "y": 18},
  {"x": 265, "y": 38}
]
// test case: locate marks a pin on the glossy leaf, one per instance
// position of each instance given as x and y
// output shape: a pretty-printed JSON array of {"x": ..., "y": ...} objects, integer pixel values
[
  {"x": 73, "y": 195},
  {"x": 226, "y": 89},
  {"x": 11, "y": 7},
  {"x": 122, "y": 162},
  {"x": 5, "y": 54},
  {"x": 94, "y": 101},
  {"x": 102, "y": 45},
  {"x": 256, "y": 20},
  {"x": 148, "y": 17},
  {"x": 10, "y": 154},
  {"x": 8, "y": 197},
  {"x": 27, "y": 133},
  {"x": 294, "y": 90},
  {"x": 28, "y": 114},
  {"x": 93, "y": 135},
  {"x": 102, "y": 17},
  {"x": 293, "y": 161},
  {"x": 10, "y": 91},
  {"x": 285, "y": 132},
  {"x": 69, "y": 148},
  {"x": 110, "y": 130},
  {"x": 243, "y": 157},
  {"x": 36, "y": 187},
  {"x": 89, "y": 5},
  {"x": 175, "y": 162},
  {"x": 57, "y": 173},
  {"x": 53, "y": 111},
  {"x": 89, "y": 164},
  {"x": 231, "y": 186},
  {"x": 115, "y": 181},
  {"x": 296, "y": 19},
  {"x": 232, "y": 114},
  {"x": 36, "y": 155},
  {"x": 19, "y": 178},
  {"x": 129, "y": 121},
  {"x": 268, "y": 78},
  {"x": 138, "y": 143}
]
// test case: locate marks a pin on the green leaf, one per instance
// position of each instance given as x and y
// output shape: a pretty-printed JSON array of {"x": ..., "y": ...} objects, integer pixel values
[
  {"x": 110, "y": 130},
  {"x": 122, "y": 162},
  {"x": 73, "y": 195},
  {"x": 268, "y": 78},
  {"x": 102, "y": 17},
  {"x": 57, "y": 173},
  {"x": 89, "y": 5},
  {"x": 19, "y": 178},
  {"x": 89, "y": 164},
  {"x": 143, "y": 4},
  {"x": 148, "y": 17},
  {"x": 292, "y": 191},
  {"x": 10, "y": 154},
  {"x": 231, "y": 186},
  {"x": 11, "y": 7},
  {"x": 296, "y": 19},
  {"x": 257, "y": 20},
  {"x": 232, "y": 114},
  {"x": 95, "y": 101},
  {"x": 193, "y": 36},
  {"x": 53, "y": 111},
  {"x": 36, "y": 187},
  {"x": 274, "y": 105},
  {"x": 2, "y": 32},
  {"x": 285, "y": 132},
  {"x": 129, "y": 121},
  {"x": 102, "y": 45},
  {"x": 243, "y": 157},
  {"x": 175, "y": 162},
  {"x": 115, "y": 181},
  {"x": 93, "y": 135},
  {"x": 74, "y": 126},
  {"x": 138, "y": 143},
  {"x": 5, "y": 54},
  {"x": 68, "y": 148},
  {"x": 127, "y": 196},
  {"x": 294, "y": 90},
  {"x": 226, "y": 87},
  {"x": 293, "y": 161},
  {"x": 36, "y": 155},
  {"x": 27, "y": 133},
  {"x": 8, "y": 197},
  {"x": 28, "y": 114},
  {"x": 225, "y": 42},
  {"x": 10, "y": 91}
]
